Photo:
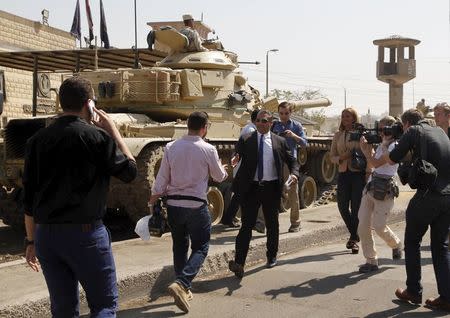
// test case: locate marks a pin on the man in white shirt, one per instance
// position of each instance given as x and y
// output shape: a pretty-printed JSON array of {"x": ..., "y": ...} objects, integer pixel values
[
  {"x": 183, "y": 179},
  {"x": 378, "y": 200}
]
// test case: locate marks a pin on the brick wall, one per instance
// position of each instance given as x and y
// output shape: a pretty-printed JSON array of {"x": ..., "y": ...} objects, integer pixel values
[{"x": 20, "y": 34}]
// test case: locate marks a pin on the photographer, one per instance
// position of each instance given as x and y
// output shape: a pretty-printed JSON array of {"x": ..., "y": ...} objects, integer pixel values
[
  {"x": 351, "y": 179},
  {"x": 428, "y": 208},
  {"x": 378, "y": 199}
]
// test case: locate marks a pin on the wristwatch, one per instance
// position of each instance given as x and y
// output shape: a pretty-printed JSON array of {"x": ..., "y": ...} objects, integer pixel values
[{"x": 26, "y": 242}]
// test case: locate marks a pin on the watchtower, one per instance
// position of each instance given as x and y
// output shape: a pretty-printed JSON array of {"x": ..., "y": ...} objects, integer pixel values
[{"x": 398, "y": 69}]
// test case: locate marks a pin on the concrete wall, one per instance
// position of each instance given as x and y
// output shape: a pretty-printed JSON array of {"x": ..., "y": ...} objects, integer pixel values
[{"x": 20, "y": 34}]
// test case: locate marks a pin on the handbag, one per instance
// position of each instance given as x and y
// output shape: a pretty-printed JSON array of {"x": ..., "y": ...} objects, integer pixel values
[
  {"x": 422, "y": 174},
  {"x": 358, "y": 160}
]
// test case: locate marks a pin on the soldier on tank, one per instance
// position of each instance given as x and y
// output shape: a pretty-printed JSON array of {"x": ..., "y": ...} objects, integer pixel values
[{"x": 195, "y": 40}]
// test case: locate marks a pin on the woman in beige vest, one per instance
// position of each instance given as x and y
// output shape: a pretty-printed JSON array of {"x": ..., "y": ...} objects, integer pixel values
[{"x": 351, "y": 180}]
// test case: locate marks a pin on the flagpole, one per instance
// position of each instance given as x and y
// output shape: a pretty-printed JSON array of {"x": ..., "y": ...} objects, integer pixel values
[{"x": 136, "y": 53}]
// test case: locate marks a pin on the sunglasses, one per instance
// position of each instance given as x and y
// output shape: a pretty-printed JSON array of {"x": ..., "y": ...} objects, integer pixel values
[
  {"x": 282, "y": 113},
  {"x": 262, "y": 120}
]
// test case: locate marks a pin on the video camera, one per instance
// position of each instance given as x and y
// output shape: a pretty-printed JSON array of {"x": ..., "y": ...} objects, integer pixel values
[{"x": 372, "y": 135}]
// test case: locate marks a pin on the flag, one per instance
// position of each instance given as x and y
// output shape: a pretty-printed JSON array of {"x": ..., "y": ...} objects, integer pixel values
[
  {"x": 76, "y": 25},
  {"x": 90, "y": 23},
  {"x": 103, "y": 29}
]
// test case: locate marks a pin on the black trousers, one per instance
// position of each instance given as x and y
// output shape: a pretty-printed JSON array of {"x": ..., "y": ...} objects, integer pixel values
[
  {"x": 349, "y": 195},
  {"x": 428, "y": 210},
  {"x": 268, "y": 195}
]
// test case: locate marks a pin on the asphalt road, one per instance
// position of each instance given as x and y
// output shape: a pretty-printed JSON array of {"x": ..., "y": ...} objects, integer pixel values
[{"x": 316, "y": 282}]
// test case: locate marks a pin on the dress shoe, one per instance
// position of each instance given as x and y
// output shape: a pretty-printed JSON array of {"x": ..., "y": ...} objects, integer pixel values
[
  {"x": 352, "y": 245},
  {"x": 294, "y": 228},
  {"x": 180, "y": 296},
  {"x": 404, "y": 295},
  {"x": 271, "y": 262},
  {"x": 367, "y": 268},
  {"x": 438, "y": 303},
  {"x": 397, "y": 253},
  {"x": 236, "y": 268}
]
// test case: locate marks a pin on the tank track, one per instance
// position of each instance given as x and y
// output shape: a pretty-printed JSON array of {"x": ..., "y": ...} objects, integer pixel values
[
  {"x": 132, "y": 198},
  {"x": 326, "y": 195},
  {"x": 11, "y": 209}
]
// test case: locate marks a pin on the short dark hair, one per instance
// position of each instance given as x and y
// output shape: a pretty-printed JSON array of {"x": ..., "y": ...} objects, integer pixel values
[
  {"x": 287, "y": 105},
  {"x": 74, "y": 92},
  {"x": 412, "y": 116},
  {"x": 197, "y": 120},
  {"x": 264, "y": 112},
  {"x": 254, "y": 115}
]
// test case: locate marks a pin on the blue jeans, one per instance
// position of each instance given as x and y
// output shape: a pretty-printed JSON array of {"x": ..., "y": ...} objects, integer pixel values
[
  {"x": 428, "y": 210},
  {"x": 349, "y": 194},
  {"x": 69, "y": 255},
  {"x": 185, "y": 224}
]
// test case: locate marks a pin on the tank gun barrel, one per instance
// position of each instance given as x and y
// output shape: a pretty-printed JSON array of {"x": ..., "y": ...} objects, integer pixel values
[
  {"x": 272, "y": 103},
  {"x": 310, "y": 103}
]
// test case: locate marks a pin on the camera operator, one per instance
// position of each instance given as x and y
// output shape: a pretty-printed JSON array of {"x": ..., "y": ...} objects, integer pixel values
[
  {"x": 428, "y": 207},
  {"x": 351, "y": 179},
  {"x": 378, "y": 199}
]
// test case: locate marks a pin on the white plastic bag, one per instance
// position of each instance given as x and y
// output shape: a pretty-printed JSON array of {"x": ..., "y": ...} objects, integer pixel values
[{"x": 141, "y": 228}]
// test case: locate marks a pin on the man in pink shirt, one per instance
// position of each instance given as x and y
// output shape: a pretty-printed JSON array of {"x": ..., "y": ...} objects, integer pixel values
[{"x": 183, "y": 179}]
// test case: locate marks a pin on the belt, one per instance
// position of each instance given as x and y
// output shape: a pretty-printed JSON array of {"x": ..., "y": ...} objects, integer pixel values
[
  {"x": 86, "y": 227},
  {"x": 264, "y": 183}
]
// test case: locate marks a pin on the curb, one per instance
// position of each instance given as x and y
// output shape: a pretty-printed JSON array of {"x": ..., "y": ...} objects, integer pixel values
[{"x": 154, "y": 283}]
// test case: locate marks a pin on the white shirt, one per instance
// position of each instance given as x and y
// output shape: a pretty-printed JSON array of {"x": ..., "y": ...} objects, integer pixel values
[
  {"x": 386, "y": 169},
  {"x": 185, "y": 169},
  {"x": 269, "y": 169}
]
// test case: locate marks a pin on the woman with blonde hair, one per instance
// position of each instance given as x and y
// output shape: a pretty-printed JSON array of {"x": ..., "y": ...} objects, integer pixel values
[{"x": 351, "y": 177}]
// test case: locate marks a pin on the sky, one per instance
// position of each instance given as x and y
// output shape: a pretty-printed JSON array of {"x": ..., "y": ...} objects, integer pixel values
[{"x": 323, "y": 44}]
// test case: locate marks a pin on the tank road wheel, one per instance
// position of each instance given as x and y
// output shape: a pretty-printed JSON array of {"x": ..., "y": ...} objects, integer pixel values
[
  {"x": 307, "y": 189},
  {"x": 302, "y": 156},
  {"x": 133, "y": 197},
  {"x": 325, "y": 169},
  {"x": 215, "y": 204}
]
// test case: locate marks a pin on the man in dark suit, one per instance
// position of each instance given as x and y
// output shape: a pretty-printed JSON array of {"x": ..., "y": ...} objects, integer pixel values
[{"x": 259, "y": 181}]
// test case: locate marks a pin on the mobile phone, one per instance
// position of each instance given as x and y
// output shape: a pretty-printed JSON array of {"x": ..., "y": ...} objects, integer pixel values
[
  {"x": 91, "y": 107},
  {"x": 283, "y": 133}
]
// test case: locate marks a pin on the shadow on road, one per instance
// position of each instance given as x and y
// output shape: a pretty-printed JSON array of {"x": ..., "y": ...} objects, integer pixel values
[
  {"x": 324, "y": 285},
  {"x": 403, "y": 310}
]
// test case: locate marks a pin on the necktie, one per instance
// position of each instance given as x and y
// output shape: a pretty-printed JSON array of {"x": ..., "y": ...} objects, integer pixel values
[{"x": 260, "y": 158}]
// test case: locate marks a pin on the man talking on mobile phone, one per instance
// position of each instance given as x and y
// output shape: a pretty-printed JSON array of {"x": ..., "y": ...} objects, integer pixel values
[{"x": 68, "y": 166}]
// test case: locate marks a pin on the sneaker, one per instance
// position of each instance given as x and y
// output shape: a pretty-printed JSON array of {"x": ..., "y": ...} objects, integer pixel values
[
  {"x": 236, "y": 268},
  {"x": 294, "y": 228},
  {"x": 367, "y": 268},
  {"x": 271, "y": 262},
  {"x": 405, "y": 295},
  {"x": 180, "y": 296},
  {"x": 438, "y": 303},
  {"x": 397, "y": 253}
]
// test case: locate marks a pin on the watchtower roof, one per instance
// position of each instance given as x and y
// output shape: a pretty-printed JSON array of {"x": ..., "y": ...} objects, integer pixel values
[{"x": 396, "y": 40}]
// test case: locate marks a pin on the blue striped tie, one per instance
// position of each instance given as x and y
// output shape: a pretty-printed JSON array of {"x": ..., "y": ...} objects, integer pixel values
[{"x": 261, "y": 158}]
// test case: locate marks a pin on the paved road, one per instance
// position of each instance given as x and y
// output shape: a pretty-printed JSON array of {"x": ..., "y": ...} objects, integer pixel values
[{"x": 317, "y": 282}]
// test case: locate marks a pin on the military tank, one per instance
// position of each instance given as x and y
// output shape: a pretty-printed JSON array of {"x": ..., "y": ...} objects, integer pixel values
[{"x": 150, "y": 107}]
